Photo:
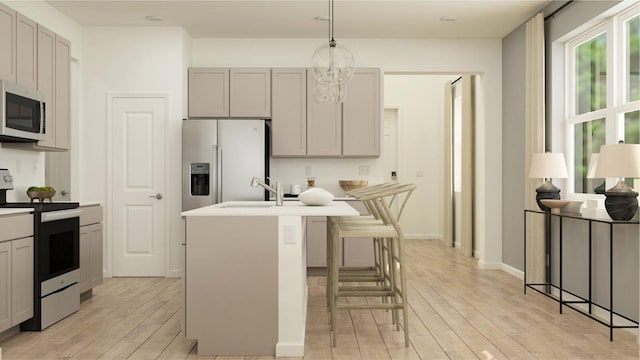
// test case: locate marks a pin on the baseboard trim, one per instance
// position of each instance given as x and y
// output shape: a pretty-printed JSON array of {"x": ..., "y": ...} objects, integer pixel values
[
  {"x": 173, "y": 273},
  {"x": 489, "y": 266},
  {"x": 423, "y": 237},
  {"x": 512, "y": 271}
]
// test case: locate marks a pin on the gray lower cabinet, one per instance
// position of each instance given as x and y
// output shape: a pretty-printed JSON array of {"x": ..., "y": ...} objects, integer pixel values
[
  {"x": 16, "y": 270},
  {"x": 316, "y": 241},
  {"x": 91, "y": 245},
  {"x": 353, "y": 251}
]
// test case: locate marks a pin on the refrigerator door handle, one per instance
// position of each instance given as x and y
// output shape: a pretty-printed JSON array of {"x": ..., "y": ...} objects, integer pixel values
[{"x": 218, "y": 157}]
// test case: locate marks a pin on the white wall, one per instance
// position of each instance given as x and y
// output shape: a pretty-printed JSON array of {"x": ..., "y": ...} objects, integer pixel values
[
  {"x": 28, "y": 166},
  {"x": 447, "y": 56},
  {"x": 420, "y": 99},
  {"x": 134, "y": 60}
]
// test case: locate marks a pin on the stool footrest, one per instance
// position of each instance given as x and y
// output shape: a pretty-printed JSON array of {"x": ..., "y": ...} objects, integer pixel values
[
  {"x": 361, "y": 278},
  {"x": 370, "y": 306},
  {"x": 360, "y": 293}
]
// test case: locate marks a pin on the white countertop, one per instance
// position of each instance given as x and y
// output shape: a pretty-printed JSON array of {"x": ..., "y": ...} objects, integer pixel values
[
  {"x": 13, "y": 211},
  {"x": 90, "y": 203},
  {"x": 290, "y": 208},
  {"x": 337, "y": 198}
]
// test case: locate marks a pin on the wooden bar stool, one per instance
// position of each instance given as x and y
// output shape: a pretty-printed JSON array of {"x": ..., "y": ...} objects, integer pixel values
[{"x": 391, "y": 284}]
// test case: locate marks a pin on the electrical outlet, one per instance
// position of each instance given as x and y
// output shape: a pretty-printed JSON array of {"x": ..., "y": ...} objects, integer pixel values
[
  {"x": 363, "y": 169},
  {"x": 289, "y": 234},
  {"x": 18, "y": 166},
  {"x": 307, "y": 170}
]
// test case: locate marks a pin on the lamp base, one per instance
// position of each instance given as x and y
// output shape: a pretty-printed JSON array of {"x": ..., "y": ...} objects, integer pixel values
[
  {"x": 621, "y": 202},
  {"x": 547, "y": 191}
]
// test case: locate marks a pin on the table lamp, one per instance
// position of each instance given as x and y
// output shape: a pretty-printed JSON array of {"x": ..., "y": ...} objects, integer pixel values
[
  {"x": 620, "y": 161},
  {"x": 547, "y": 166}
]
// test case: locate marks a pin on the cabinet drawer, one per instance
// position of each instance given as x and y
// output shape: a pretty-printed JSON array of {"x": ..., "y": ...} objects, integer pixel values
[
  {"x": 16, "y": 226},
  {"x": 91, "y": 215}
]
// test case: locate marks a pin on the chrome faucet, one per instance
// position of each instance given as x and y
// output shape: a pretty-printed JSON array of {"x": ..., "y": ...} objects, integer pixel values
[{"x": 278, "y": 192}]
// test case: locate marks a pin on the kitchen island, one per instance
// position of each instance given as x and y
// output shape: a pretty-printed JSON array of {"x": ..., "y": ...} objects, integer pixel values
[{"x": 245, "y": 281}]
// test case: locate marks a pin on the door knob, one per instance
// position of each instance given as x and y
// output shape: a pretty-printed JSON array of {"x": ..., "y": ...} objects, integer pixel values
[{"x": 157, "y": 196}]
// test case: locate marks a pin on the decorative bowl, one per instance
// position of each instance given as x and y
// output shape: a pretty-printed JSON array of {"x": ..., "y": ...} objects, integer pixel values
[
  {"x": 554, "y": 204},
  {"x": 41, "y": 195},
  {"x": 316, "y": 197},
  {"x": 348, "y": 185},
  {"x": 573, "y": 207}
]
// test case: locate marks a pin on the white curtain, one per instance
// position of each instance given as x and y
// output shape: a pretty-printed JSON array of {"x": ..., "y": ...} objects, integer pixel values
[
  {"x": 448, "y": 165},
  {"x": 459, "y": 214},
  {"x": 534, "y": 142}
]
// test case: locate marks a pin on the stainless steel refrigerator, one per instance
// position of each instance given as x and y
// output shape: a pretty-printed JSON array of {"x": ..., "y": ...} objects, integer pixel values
[{"x": 219, "y": 158}]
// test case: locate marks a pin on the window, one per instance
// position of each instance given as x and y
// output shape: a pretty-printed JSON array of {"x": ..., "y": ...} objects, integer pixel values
[{"x": 603, "y": 89}]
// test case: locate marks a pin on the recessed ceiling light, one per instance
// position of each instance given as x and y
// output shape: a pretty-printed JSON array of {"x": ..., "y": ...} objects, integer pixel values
[
  {"x": 322, "y": 18},
  {"x": 448, "y": 18},
  {"x": 154, "y": 18}
]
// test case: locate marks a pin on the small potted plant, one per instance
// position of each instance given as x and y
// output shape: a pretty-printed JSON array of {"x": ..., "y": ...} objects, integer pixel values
[{"x": 41, "y": 193}]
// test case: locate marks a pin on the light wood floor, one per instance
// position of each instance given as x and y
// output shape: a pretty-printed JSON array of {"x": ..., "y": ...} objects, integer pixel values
[{"x": 458, "y": 311}]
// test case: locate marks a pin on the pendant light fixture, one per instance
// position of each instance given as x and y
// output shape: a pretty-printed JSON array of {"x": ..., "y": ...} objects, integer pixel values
[{"x": 332, "y": 68}]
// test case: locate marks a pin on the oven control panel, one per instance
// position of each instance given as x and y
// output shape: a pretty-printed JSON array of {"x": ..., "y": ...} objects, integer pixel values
[{"x": 6, "y": 181}]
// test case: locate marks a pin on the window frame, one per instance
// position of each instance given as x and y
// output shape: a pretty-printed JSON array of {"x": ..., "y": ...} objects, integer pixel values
[{"x": 616, "y": 107}]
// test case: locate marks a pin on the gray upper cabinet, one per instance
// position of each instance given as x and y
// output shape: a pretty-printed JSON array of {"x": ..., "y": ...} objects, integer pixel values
[
  {"x": 54, "y": 79},
  {"x": 361, "y": 115},
  {"x": 222, "y": 93},
  {"x": 208, "y": 92},
  {"x": 26, "y": 50},
  {"x": 62, "y": 95},
  {"x": 7, "y": 43},
  {"x": 289, "y": 112},
  {"x": 250, "y": 92},
  {"x": 46, "y": 80},
  {"x": 37, "y": 58},
  {"x": 324, "y": 125}
]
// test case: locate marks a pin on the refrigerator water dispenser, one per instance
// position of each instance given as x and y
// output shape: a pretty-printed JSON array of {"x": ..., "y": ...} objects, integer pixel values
[{"x": 200, "y": 179}]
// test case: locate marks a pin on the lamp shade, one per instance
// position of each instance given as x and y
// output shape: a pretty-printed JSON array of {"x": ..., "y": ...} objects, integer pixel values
[
  {"x": 547, "y": 166},
  {"x": 619, "y": 160}
]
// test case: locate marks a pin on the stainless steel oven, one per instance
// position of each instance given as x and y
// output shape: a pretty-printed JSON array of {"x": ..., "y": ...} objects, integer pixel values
[
  {"x": 58, "y": 243},
  {"x": 56, "y": 252}
]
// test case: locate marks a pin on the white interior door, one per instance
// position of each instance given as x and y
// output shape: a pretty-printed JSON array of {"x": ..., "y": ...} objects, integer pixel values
[{"x": 138, "y": 185}]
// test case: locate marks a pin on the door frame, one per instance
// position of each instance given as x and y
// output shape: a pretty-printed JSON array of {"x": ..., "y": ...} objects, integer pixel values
[
  {"x": 108, "y": 224},
  {"x": 398, "y": 110}
]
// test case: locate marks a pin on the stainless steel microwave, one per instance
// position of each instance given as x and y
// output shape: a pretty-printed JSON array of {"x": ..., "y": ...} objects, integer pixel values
[{"x": 23, "y": 113}]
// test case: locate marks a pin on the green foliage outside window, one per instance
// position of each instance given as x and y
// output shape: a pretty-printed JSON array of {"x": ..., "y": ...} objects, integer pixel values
[
  {"x": 591, "y": 75},
  {"x": 633, "y": 64}
]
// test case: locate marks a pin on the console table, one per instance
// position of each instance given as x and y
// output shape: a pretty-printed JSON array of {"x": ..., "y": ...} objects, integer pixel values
[{"x": 588, "y": 301}]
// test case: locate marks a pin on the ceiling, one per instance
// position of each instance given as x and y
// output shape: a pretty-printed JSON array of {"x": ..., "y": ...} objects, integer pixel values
[{"x": 295, "y": 18}]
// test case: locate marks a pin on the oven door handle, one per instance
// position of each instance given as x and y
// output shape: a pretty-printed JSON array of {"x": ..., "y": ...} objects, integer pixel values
[{"x": 59, "y": 215}]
